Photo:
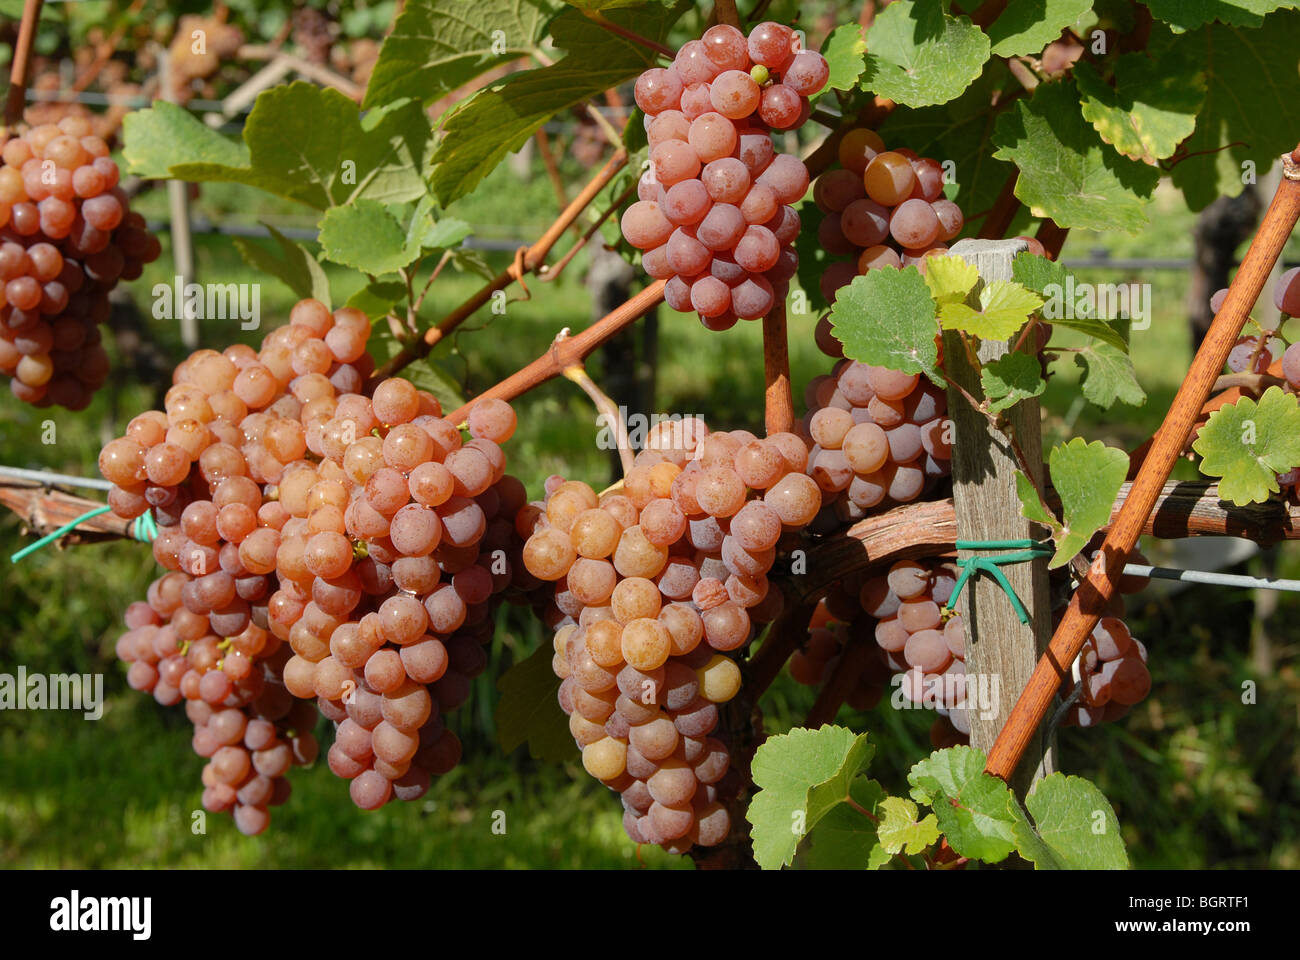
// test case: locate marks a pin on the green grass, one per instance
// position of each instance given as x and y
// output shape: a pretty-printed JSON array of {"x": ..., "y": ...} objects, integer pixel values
[{"x": 1198, "y": 778}]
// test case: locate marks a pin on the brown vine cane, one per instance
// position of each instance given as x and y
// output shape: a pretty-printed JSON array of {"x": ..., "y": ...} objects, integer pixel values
[
  {"x": 1092, "y": 595},
  {"x": 17, "y": 98}
]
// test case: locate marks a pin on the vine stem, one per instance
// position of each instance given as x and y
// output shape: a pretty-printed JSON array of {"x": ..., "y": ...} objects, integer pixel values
[
  {"x": 550, "y": 273},
  {"x": 532, "y": 257},
  {"x": 22, "y": 62},
  {"x": 1004, "y": 210},
  {"x": 725, "y": 12},
  {"x": 566, "y": 351},
  {"x": 1090, "y": 598},
  {"x": 577, "y": 373},
  {"x": 778, "y": 405}
]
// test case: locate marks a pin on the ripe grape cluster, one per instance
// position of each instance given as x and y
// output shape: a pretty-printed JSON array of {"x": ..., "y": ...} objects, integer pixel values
[
  {"x": 228, "y": 668},
  {"x": 1110, "y": 675},
  {"x": 66, "y": 238},
  {"x": 361, "y": 529},
  {"x": 714, "y": 215},
  {"x": 879, "y": 437},
  {"x": 882, "y": 208},
  {"x": 656, "y": 585}
]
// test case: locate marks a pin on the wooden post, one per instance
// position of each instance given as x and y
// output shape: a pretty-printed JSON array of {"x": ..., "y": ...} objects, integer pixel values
[
  {"x": 178, "y": 203},
  {"x": 999, "y": 648}
]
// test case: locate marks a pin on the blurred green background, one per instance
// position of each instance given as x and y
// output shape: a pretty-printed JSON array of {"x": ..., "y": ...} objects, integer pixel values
[{"x": 1197, "y": 778}]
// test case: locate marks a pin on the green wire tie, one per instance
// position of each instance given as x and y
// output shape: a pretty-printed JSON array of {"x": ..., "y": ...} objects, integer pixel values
[
  {"x": 143, "y": 528},
  {"x": 1027, "y": 550}
]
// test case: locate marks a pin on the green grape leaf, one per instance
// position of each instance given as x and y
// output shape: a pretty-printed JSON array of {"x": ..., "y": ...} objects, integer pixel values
[
  {"x": 300, "y": 271},
  {"x": 919, "y": 56},
  {"x": 972, "y": 807},
  {"x": 1066, "y": 171},
  {"x": 364, "y": 235},
  {"x": 1026, "y": 28},
  {"x": 377, "y": 299},
  {"x": 1056, "y": 284},
  {"x": 438, "y": 45},
  {"x": 1152, "y": 107},
  {"x": 1234, "y": 130},
  {"x": 1074, "y": 828},
  {"x": 164, "y": 135},
  {"x": 1031, "y": 504},
  {"x": 801, "y": 775},
  {"x": 1247, "y": 444},
  {"x": 429, "y": 375},
  {"x": 902, "y": 829},
  {"x": 303, "y": 142},
  {"x": 956, "y": 134},
  {"x": 813, "y": 260},
  {"x": 528, "y": 712},
  {"x": 844, "y": 839},
  {"x": 1108, "y": 376},
  {"x": 950, "y": 279},
  {"x": 1184, "y": 15},
  {"x": 500, "y": 118},
  {"x": 887, "y": 318},
  {"x": 1087, "y": 478},
  {"x": 845, "y": 52},
  {"x": 1011, "y": 378},
  {"x": 1004, "y": 308}
]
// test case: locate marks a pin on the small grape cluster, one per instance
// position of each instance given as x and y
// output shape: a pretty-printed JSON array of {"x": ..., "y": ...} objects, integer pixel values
[
  {"x": 714, "y": 215},
  {"x": 1110, "y": 675},
  {"x": 880, "y": 437},
  {"x": 67, "y": 237},
  {"x": 227, "y": 667},
  {"x": 882, "y": 208},
  {"x": 656, "y": 585},
  {"x": 293, "y": 507},
  {"x": 837, "y": 621}
]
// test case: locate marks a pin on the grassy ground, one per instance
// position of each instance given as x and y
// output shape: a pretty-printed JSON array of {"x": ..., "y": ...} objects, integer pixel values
[{"x": 1199, "y": 778}]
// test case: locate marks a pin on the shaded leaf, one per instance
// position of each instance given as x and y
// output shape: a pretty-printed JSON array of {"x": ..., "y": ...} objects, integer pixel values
[
  {"x": 299, "y": 270},
  {"x": 528, "y": 711},
  {"x": 1011, "y": 378},
  {"x": 1108, "y": 375},
  {"x": 1066, "y": 171},
  {"x": 1152, "y": 107}
]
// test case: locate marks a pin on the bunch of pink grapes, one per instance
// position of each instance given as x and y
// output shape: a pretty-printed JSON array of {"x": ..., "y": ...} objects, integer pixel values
[
  {"x": 714, "y": 215},
  {"x": 67, "y": 237},
  {"x": 882, "y": 208},
  {"x": 328, "y": 541}
]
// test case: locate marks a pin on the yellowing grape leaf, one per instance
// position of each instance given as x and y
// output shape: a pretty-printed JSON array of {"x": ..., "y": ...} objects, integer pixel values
[
  {"x": 1004, "y": 308},
  {"x": 1247, "y": 444},
  {"x": 903, "y": 829},
  {"x": 950, "y": 279}
]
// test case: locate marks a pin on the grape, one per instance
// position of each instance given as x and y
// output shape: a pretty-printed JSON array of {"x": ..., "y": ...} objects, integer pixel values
[
  {"x": 889, "y": 178},
  {"x": 771, "y": 45},
  {"x": 780, "y": 106},
  {"x": 914, "y": 224},
  {"x": 734, "y": 94},
  {"x": 1286, "y": 294},
  {"x": 726, "y": 180},
  {"x": 686, "y": 202},
  {"x": 693, "y": 64},
  {"x": 806, "y": 74},
  {"x": 712, "y": 136},
  {"x": 726, "y": 47},
  {"x": 674, "y": 161},
  {"x": 645, "y": 226},
  {"x": 658, "y": 90}
]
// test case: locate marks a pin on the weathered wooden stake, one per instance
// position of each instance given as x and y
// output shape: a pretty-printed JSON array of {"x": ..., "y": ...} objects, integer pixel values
[{"x": 999, "y": 648}]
